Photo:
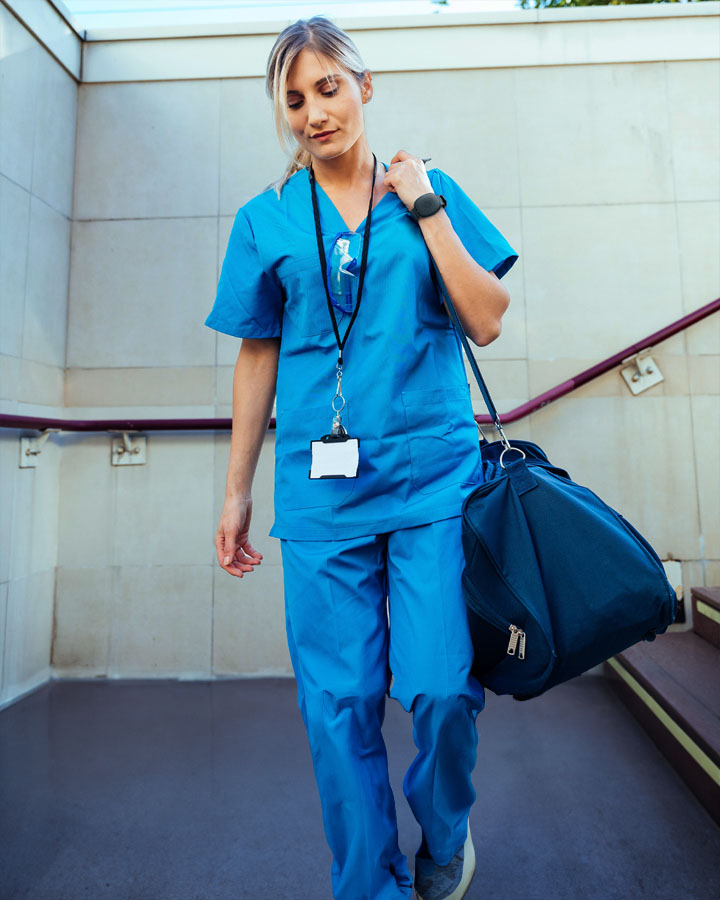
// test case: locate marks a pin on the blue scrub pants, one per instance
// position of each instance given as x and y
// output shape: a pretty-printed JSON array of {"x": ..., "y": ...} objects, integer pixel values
[{"x": 346, "y": 660}]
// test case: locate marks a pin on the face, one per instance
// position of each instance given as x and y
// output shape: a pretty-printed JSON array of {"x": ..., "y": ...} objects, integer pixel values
[{"x": 316, "y": 102}]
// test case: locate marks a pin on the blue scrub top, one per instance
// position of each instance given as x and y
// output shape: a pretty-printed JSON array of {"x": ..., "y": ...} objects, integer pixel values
[{"x": 404, "y": 382}]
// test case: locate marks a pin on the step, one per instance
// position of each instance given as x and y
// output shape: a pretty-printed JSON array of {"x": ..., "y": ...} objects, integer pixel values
[
  {"x": 672, "y": 686},
  {"x": 706, "y": 613}
]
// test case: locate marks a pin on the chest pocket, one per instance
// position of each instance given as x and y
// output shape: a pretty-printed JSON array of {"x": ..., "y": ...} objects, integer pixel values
[
  {"x": 442, "y": 437},
  {"x": 306, "y": 302},
  {"x": 295, "y": 428}
]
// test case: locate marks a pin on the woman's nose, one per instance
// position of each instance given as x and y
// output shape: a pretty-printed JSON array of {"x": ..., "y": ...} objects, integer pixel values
[{"x": 316, "y": 113}]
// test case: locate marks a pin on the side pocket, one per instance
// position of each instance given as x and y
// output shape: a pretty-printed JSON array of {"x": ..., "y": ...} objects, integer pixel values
[
  {"x": 294, "y": 430},
  {"x": 442, "y": 437}
]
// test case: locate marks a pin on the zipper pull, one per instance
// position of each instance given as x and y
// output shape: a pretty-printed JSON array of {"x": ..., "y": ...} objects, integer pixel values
[
  {"x": 512, "y": 643},
  {"x": 521, "y": 652}
]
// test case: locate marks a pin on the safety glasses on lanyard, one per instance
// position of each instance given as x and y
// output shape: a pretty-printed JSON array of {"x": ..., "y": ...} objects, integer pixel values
[{"x": 343, "y": 269}]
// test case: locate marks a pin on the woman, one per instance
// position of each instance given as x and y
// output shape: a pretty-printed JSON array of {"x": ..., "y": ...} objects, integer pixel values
[{"x": 384, "y": 410}]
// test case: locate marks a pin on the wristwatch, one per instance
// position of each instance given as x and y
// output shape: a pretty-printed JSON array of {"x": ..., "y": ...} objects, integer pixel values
[{"x": 427, "y": 205}]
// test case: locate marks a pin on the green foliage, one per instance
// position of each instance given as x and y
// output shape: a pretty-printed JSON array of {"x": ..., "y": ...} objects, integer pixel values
[{"x": 542, "y": 4}]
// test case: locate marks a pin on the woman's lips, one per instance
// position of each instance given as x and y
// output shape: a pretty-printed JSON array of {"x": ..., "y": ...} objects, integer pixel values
[{"x": 324, "y": 136}]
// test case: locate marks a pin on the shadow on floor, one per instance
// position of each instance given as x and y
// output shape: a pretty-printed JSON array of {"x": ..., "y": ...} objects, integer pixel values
[{"x": 166, "y": 790}]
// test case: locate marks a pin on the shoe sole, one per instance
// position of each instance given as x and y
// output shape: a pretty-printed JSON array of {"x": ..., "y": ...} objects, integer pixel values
[{"x": 468, "y": 870}]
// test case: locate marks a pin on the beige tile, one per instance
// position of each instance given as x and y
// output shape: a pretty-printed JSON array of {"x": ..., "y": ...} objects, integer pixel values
[
  {"x": 40, "y": 384},
  {"x": 164, "y": 508},
  {"x": 482, "y": 148},
  {"x": 28, "y": 632},
  {"x": 625, "y": 449},
  {"x": 704, "y": 375},
  {"x": 90, "y": 529},
  {"x": 171, "y": 386},
  {"x": 14, "y": 227},
  {"x": 249, "y": 623},
  {"x": 83, "y": 622},
  {"x": 27, "y": 382},
  {"x": 136, "y": 414},
  {"x": 250, "y": 154},
  {"x": 505, "y": 379},
  {"x": 139, "y": 292},
  {"x": 10, "y": 367},
  {"x": 547, "y": 374},
  {"x": 599, "y": 278},
  {"x": 48, "y": 268},
  {"x": 593, "y": 134},
  {"x": 54, "y": 147},
  {"x": 34, "y": 534},
  {"x": 699, "y": 237},
  {"x": 693, "y": 91},
  {"x": 19, "y": 70},
  {"x": 147, "y": 149},
  {"x": 161, "y": 621},
  {"x": 227, "y": 345},
  {"x": 706, "y": 442},
  {"x": 712, "y": 572},
  {"x": 9, "y": 469},
  {"x": 3, "y": 625}
]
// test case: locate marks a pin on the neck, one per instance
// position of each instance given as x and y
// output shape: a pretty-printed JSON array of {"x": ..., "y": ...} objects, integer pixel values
[{"x": 349, "y": 170}]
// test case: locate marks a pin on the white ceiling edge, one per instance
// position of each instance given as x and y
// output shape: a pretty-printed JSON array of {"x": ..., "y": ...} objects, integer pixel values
[
  {"x": 227, "y": 22},
  {"x": 473, "y": 46}
]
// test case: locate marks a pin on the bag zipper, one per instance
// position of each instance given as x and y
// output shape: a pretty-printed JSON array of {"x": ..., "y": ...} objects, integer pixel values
[{"x": 516, "y": 633}]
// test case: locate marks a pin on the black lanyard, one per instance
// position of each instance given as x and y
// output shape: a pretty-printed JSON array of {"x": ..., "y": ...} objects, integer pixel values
[{"x": 323, "y": 261}]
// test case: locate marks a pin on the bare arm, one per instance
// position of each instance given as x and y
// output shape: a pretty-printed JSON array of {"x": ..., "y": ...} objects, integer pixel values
[
  {"x": 254, "y": 383},
  {"x": 479, "y": 297}
]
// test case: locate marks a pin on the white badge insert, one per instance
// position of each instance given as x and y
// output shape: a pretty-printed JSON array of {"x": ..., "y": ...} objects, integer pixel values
[{"x": 335, "y": 456}]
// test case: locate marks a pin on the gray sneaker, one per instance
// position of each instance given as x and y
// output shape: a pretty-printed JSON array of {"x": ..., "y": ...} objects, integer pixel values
[{"x": 450, "y": 882}]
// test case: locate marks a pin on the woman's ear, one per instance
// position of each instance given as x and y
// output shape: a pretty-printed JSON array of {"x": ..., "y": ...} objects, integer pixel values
[{"x": 367, "y": 88}]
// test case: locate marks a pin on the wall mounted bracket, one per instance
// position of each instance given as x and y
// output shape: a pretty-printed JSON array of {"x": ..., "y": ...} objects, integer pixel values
[
  {"x": 642, "y": 373},
  {"x": 31, "y": 448},
  {"x": 127, "y": 452}
]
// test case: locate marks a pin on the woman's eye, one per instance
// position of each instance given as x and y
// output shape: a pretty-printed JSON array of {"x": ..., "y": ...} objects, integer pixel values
[{"x": 324, "y": 93}]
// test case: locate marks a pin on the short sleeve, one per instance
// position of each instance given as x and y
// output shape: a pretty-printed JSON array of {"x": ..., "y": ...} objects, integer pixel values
[
  {"x": 487, "y": 246},
  {"x": 248, "y": 302}
]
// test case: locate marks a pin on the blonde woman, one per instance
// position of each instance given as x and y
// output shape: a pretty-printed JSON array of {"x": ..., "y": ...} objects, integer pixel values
[{"x": 327, "y": 277}]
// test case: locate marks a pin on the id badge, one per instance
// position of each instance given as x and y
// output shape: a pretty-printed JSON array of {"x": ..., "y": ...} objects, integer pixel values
[{"x": 335, "y": 456}]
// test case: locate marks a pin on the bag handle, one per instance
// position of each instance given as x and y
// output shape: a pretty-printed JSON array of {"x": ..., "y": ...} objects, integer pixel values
[{"x": 494, "y": 415}]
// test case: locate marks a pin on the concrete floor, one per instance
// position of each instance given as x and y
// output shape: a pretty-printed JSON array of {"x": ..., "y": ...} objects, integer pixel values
[{"x": 165, "y": 790}]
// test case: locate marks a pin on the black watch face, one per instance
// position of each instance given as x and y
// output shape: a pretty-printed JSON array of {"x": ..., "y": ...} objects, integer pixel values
[{"x": 427, "y": 204}]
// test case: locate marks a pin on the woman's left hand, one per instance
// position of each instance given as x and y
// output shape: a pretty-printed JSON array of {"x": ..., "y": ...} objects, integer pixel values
[{"x": 406, "y": 176}]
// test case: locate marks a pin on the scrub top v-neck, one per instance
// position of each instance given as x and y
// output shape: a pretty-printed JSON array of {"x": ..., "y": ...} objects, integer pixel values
[{"x": 404, "y": 381}]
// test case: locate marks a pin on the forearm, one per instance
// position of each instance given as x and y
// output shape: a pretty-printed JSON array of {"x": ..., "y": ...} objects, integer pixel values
[
  {"x": 254, "y": 382},
  {"x": 479, "y": 298}
]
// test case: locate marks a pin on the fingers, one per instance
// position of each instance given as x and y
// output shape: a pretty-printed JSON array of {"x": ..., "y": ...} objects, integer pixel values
[
  {"x": 236, "y": 560},
  {"x": 400, "y": 156}
]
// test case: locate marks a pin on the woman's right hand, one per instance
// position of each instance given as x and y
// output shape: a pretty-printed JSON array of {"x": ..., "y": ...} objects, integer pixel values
[{"x": 235, "y": 552}]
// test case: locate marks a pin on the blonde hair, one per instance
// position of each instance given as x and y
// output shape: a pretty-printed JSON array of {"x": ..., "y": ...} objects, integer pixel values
[{"x": 318, "y": 34}]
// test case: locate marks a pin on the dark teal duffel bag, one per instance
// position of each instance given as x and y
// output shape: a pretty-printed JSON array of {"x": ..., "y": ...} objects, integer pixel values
[{"x": 556, "y": 581}]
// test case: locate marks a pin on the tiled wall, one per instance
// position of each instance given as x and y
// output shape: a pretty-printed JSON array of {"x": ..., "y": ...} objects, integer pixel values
[
  {"x": 38, "y": 113},
  {"x": 603, "y": 177}
]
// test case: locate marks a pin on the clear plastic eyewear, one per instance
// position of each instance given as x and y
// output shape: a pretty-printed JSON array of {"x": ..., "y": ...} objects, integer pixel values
[{"x": 343, "y": 269}]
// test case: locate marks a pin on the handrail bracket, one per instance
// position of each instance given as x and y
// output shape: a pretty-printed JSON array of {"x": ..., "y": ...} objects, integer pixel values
[{"x": 642, "y": 373}]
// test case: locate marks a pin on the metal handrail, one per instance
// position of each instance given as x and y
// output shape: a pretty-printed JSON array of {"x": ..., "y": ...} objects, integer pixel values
[{"x": 40, "y": 423}]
